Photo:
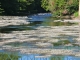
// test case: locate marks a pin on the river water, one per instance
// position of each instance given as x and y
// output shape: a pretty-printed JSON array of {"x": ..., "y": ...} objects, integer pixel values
[{"x": 42, "y": 32}]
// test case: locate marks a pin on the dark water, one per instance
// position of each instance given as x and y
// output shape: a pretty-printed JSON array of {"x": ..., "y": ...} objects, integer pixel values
[{"x": 38, "y": 20}]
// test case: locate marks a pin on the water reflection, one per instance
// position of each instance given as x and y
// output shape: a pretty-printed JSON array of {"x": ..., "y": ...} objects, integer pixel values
[
  {"x": 9, "y": 56},
  {"x": 71, "y": 58},
  {"x": 9, "y": 29},
  {"x": 52, "y": 23},
  {"x": 33, "y": 57},
  {"x": 64, "y": 58}
]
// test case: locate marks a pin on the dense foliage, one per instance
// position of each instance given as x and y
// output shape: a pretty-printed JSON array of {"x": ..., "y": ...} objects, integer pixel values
[
  {"x": 24, "y": 7},
  {"x": 20, "y": 7},
  {"x": 61, "y": 7}
]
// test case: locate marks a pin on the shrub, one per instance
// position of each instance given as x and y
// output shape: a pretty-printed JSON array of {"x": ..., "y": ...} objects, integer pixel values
[{"x": 76, "y": 14}]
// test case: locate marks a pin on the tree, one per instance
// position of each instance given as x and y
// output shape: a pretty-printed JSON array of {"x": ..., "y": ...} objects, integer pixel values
[
  {"x": 13, "y": 7},
  {"x": 9, "y": 6},
  {"x": 54, "y": 6},
  {"x": 20, "y": 7},
  {"x": 60, "y": 7},
  {"x": 79, "y": 7}
]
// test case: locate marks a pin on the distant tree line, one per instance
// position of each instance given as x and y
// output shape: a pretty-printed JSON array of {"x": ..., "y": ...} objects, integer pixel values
[{"x": 20, "y": 7}]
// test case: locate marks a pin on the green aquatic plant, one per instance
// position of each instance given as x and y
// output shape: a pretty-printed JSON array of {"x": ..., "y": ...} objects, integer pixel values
[
  {"x": 62, "y": 42},
  {"x": 75, "y": 44},
  {"x": 57, "y": 44},
  {"x": 5, "y": 56},
  {"x": 57, "y": 57},
  {"x": 65, "y": 41}
]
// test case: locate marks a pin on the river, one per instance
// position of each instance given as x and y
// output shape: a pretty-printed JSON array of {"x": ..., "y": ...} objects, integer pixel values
[{"x": 40, "y": 34}]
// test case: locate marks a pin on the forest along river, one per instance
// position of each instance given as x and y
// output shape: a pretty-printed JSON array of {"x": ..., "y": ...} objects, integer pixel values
[{"x": 43, "y": 38}]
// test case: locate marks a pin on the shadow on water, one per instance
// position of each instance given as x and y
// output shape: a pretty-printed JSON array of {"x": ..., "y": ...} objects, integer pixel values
[
  {"x": 24, "y": 44},
  {"x": 10, "y": 28}
]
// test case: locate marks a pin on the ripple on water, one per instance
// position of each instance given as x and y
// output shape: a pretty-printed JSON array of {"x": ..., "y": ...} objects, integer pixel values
[{"x": 42, "y": 28}]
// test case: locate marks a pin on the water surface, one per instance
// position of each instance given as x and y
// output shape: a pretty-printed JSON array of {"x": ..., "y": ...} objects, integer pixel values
[{"x": 41, "y": 29}]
